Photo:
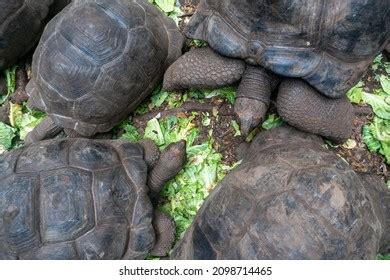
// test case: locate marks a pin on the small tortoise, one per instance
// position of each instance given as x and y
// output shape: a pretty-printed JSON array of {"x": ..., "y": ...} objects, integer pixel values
[
  {"x": 291, "y": 199},
  {"x": 85, "y": 199},
  {"x": 323, "y": 47},
  {"x": 96, "y": 61}
]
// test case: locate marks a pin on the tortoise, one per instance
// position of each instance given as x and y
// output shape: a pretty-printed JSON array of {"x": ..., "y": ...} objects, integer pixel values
[
  {"x": 291, "y": 198},
  {"x": 78, "y": 198},
  {"x": 21, "y": 24},
  {"x": 320, "y": 48},
  {"x": 95, "y": 63}
]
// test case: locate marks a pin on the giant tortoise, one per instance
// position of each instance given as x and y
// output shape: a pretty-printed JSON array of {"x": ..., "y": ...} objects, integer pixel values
[
  {"x": 323, "y": 47},
  {"x": 85, "y": 199},
  {"x": 291, "y": 198},
  {"x": 96, "y": 61}
]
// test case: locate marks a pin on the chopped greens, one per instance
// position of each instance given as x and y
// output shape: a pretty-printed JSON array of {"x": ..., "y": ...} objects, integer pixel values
[
  {"x": 169, "y": 8},
  {"x": 7, "y": 134},
  {"x": 376, "y": 135},
  {"x": 272, "y": 121},
  {"x": 23, "y": 119}
]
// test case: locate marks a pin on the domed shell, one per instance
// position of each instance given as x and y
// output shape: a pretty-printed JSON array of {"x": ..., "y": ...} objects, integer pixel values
[
  {"x": 97, "y": 60},
  {"x": 21, "y": 22},
  {"x": 290, "y": 199},
  {"x": 328, "y": 43},
  {"x": 75, "y": 199}
]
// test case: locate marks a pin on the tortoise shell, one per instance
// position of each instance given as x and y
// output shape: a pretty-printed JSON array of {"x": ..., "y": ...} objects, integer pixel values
[
  {"x": 328, "y": 43},
  {"x": 21, "y": 23},
  {"x": 97, "y": 60},
  {"x": 290, "y": 199},
  {"x": 75, "y": 199}
]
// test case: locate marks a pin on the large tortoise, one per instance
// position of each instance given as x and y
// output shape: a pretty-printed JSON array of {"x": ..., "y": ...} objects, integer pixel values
[
  {"x": 21, "y": 24},
  {"x": 322, "y": 46},
  {"x": 85, "y": 199},
  {"x": 291, "y": 198},
  {"x": 96, "y": 61}
]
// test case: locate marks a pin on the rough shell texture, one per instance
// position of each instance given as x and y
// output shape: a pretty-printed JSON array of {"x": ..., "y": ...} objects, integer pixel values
[
  {"x": 21, "y": 23},
  {"x": 328, "y": 43},
  {"x": 75, "y": 199},
  {"x": 97, "y": 60},
  {"x": 290, "y": 199}
]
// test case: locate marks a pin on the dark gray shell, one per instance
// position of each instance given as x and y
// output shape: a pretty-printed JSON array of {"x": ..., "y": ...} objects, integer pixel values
[
  {"x": 75, "y": 199},
  {"x": 328, "y": 43},
  {"x": 290, "y": 199},
  {"x": 97, "y": 60},
  {"x": 21, "y": 23}
]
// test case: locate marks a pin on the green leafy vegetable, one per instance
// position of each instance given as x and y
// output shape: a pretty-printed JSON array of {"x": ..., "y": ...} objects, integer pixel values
[
  {"x": 153, "y": 132},
  {"x": 7, "y": 134},
  {"x": 377, "y": 137},
  {"x": 165, "y": 5},
  {"x": 186, "y": 193},
  {"x": 272, "y": 121},
  {"x": 385, "y": 83},
  {"x": 168, "y": 7},
  {"x": 11, "y": 79},
  {"x": 130, "y": 133},
  {"x": 198, "y": 43},
  {"x": 383, "y": 257},
  {"x": 10, "y": 75},
  {"x": 355, "y": 95},
  {"x": 379, "y": 103},
  {"x": 228, "y": 93},
  {"x": 236, "y": 128},
  {"x": 24, "y": 120}
]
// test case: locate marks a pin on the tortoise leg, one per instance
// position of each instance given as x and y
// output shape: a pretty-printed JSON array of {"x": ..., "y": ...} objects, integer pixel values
[
  {"x": 164, "y": 228},
  {"x": 45, "y": 130},
  {"x": 171, "y": 161},
  {"x": 202, "y": 68},
  {"x": 253, "y": 97},
  {"x": 306, "y": 109}
]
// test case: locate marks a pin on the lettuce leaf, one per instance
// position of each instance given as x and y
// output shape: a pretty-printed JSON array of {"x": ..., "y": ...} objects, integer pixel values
[
  {"x": 7, "y": 134},
  {"x": 379, "y": 103}
]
